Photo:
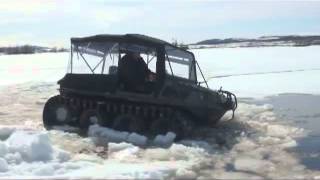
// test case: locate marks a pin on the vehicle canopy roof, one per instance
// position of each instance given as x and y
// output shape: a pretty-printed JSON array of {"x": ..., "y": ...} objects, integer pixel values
[
  {"x": 102, "y": 44},
  {"x": 127, "y": 38},
  {"x": 138, "y": 38}
]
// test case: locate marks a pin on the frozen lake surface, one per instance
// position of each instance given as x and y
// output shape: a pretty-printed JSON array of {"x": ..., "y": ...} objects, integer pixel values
[
  {"x": 303, "y": 62},
  {"x": 274, "y": 137}
]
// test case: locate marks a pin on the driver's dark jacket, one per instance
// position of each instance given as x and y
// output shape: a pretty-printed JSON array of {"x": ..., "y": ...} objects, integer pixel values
[{"x": 132, "y": 72}]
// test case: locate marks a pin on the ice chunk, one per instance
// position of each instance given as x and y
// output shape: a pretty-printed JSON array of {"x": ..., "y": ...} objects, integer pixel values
[
  {"x": 95, "y": 130},
  {"x": 267, "y": 116},
  {"x": 117, "y": 136},
  {"x": 5, "y": 131},
  {"x": 110, "y": 134},
  {"x": 3, "y": 149},
  {"x": 137, "y": 139},
  {"x": 115, "y": 147},
  {"x": 13, "y": 158},
  {"x": 85, "y": 158},
  {"x": 234, "y": 175},
  {"x": 128, "y": 154},
  {"x": 267, "y": 107},
  {"x": 250, "y": 164},
  {"x": 61, "y": 155},
  {"x": 157, "y": 154},
  {"x": 166, "y": 140},
  {"x": 277, "y": 130},
  {"x": 185, "y": 174},
  {"x": 269, "y": 140},
  {"x": 289, "y": 144},
  {"x": 123, "y": 151},
  {"x": 3, "y": 165},
  {"x": 31, "y": 146},
  {"x": 181, "y": 152},
  {"x": 245, "y": 145},
  {"x": 200, "y": 144},
  {"x": 44, "y": 170}
]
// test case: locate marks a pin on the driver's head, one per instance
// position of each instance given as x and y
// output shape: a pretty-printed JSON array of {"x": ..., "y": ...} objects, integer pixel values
[{"x": 134, "y": 54}]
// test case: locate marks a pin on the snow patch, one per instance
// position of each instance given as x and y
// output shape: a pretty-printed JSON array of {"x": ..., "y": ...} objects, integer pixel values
[{"x": 31, "y": 146}]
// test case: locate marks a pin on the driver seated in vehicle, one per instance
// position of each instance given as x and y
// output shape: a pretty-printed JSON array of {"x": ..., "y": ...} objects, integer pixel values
[{"x": 134, "y": 72}]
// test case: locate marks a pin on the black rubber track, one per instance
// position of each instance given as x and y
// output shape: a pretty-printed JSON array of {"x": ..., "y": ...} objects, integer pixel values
[{"x": 49, "y": 112}]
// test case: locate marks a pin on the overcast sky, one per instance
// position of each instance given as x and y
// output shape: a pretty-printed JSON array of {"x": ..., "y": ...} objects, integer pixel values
[{"x": 53, "y": 22}]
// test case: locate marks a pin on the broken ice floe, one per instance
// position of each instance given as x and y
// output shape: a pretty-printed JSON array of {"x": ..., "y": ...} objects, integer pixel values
[
  {"x": 248, "y": 147},
  {"x": 112, "y": 135},
  {"x": 27, "y": 153}
]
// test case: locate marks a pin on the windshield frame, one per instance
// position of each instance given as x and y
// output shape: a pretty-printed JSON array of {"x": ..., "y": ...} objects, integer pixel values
[
  {"x": 111, "y": 49},
  {"x": 187, "y": 59}
]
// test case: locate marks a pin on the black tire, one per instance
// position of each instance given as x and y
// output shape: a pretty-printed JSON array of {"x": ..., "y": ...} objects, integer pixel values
[
  {"x": 137, "y": 125},
  {"x": 183, "y": 125},
  {"x": 161, "y": 126},
  {"x": 106, "y": 118},
  {"x": 86, "y": 119},
  {"x": 52, "y": 117},
  {"x": 121, "y": 123},
  {"x": 128, "y": 123},
  {"x": 180, "y": 124}
]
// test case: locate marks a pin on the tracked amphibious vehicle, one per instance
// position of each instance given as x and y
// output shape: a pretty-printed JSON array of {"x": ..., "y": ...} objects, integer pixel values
[{"x": 94, "y": 91}]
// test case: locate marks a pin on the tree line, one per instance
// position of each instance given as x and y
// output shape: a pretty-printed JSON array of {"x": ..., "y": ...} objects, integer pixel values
[
  {"x": 179, "y": 44},
  {"x": 29, "y": 49}
]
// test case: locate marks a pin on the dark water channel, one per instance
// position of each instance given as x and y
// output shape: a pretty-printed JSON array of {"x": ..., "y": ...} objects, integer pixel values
[{"x": 300, "y": 110}]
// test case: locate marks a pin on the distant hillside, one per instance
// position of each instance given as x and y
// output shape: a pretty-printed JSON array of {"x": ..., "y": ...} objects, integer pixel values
[
  {"x": 29, "y": 49},
  {"x": 263, "y": 41}
]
